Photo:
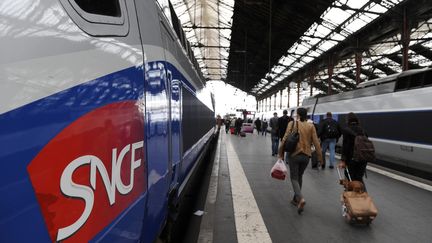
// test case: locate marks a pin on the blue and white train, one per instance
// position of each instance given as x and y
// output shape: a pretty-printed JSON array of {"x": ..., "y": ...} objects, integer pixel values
[
  {"x": 395, "y": 111},
  {"x": 103, "y": 118}
]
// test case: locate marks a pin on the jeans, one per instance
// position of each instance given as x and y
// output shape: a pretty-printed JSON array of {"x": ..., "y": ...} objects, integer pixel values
[
  {"x": 275, "y": 144},
  {"x": 287, "y": 157},
  {"x": 329, "y": 143},
  {"x": 297, "y": 165}
]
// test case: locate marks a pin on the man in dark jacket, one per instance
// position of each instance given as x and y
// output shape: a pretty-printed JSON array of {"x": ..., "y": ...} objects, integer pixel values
[
  {"x": 283, "y": 123},
  {"x": 356, "y": 168},
  {"x": 274, "y": 133},
  {"x": 258, "y": 125},
  {"x": 329, "y": 133}
]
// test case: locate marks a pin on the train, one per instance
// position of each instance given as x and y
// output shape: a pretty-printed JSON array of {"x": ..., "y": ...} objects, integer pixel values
[
  {"x": 394, "y": 110},
  {"x": 104, "y": 118}
]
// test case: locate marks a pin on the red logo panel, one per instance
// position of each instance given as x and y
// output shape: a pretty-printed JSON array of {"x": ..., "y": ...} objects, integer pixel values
[{"x": 91, "y": 171}]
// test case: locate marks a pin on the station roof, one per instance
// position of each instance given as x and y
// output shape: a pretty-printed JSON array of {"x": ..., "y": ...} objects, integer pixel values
[{"x": 231, "y": 40}]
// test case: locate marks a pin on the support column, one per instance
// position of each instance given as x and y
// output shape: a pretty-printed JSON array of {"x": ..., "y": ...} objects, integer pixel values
[
  {"x": 280, "y": 102},
  {"x": 298, "y": 93},
  {"x": 405, "y": 41},
  {"x": 288, "y": 96},
  {"x": 358, "y": 62},
  {"x": 330, "y": 75},
  {"x": 275, "y": 95},
  {"x": 311, "y": 80}
]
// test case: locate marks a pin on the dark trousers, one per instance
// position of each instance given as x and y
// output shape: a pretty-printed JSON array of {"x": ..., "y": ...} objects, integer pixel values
[
  {"x": 275, "y": 144},
  {"x": 357, "y": 171},
  {"x": 297, "y": 165}
]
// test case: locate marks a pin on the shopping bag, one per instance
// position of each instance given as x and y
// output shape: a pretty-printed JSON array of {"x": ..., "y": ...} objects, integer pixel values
[{"x": 279, "y": 170}]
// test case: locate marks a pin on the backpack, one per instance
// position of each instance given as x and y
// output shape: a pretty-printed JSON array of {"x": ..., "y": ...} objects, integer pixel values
[
  {"x": 331, "y": 130},
  {"x": 363, "y": 149}
]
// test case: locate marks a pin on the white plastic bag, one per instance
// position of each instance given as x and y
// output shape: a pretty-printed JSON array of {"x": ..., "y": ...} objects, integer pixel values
[{"x": 279, "y": 170}]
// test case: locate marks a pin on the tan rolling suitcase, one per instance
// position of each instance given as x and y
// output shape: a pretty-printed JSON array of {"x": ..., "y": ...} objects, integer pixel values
[{"x": 357, "y": 205}]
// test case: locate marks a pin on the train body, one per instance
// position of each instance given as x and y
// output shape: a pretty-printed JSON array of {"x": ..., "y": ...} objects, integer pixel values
[
  {"x": 394, "y": 110},
  {"x": 103, "y": 118}
]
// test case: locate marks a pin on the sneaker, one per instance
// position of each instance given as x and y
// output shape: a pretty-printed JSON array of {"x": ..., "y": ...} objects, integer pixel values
[{"x": 331, "y": 167}]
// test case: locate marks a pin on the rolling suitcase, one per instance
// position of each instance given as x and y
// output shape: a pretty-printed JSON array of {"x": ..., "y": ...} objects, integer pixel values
[
  {"x": 357, "y": 205},
  {"x": 314, "y": 160}
]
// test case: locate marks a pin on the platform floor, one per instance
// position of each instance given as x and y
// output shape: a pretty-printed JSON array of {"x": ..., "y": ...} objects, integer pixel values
[{"x": 244, "y": 204}]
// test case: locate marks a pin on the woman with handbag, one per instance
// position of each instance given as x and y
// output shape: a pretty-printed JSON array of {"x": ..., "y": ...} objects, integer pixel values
[{"x": 297, "y": 141}]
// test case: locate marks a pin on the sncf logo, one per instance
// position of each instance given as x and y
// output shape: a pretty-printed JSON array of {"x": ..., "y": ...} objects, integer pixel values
[{"x": 91, "y": 172}]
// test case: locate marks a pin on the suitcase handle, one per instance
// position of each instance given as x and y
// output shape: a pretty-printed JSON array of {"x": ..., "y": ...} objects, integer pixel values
[{"x": 339, "y": 173}]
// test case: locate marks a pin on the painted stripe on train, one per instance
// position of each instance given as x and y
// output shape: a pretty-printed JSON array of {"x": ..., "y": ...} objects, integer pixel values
[
  {"x": 404, "y": 126},
  {"x": 401, "y": 143},
  {"x": 27, "y": 81},
  {"x": 404, "y": 100}
]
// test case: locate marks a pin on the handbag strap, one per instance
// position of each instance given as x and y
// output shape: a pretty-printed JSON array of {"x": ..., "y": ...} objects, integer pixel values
[{"x": 295, "y": 123}]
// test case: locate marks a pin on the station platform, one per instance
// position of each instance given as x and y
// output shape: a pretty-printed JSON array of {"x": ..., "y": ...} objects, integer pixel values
[{"x": 244, "y": 204}]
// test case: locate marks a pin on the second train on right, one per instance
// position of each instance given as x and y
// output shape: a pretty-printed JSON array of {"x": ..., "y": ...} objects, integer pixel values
[{"x": 396, "y": 112}]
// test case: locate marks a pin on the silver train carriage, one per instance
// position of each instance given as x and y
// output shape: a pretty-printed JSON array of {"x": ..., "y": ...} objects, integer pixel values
[{"x": 395, "y": 111}]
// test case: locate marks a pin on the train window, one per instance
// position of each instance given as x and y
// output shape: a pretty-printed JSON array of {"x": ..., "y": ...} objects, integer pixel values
[
  {"x": 99, "y": 17},
  {"x": 416, "y": 80},
  {"x": 101, "y": 7},
  {"x": 402, "y": 83},
  {"x": 427, "y": 79}
]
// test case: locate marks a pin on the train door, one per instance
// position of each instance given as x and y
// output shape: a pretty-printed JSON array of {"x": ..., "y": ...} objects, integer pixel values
[
  {"x": 171, "y": 50},
  {"x": 158, "y": 141}
]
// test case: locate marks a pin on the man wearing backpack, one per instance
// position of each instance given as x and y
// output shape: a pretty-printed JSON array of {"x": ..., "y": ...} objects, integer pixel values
[
  {"x": 357, "y": 149},
  {"x": 329, "y": 132}
]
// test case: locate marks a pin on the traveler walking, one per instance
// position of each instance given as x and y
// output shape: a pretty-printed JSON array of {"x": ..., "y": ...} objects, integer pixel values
[
  {"x": 258, "y": 125},
  {"x": 299, "y": 159},
  {"x": 351, "y": 158},
  {"x": 329, "y": 132},
  {"x": 283, "y": 123},
  {"x": 238, "y": 124},
  {"x": 274, "y": 133},
  {"x": 227, "y": 124},
  {"x": 264, "y": 128}
]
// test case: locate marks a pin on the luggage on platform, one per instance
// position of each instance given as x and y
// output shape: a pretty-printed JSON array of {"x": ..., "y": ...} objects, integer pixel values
[
  {"x": 314, "y": 159},
  {"x": 357, "y": 205},
  {"x": 279, "y": 170},
  {"x": 242, "y": 134}
]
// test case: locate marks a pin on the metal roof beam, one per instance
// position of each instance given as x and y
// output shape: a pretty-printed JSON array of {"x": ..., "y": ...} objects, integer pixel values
[
  {"x": 368, "y": 73},
  {"x": 207, "y": 27},
  {"x": 383, "y": 68},
  {"x": 348, "y": 85},
  {"x": 421, "y": 50},
  {"x": 398, "y": 59}
]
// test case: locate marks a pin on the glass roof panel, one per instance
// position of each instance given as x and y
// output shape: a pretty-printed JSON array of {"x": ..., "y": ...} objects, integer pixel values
[
  {"x": 356, "y": 3},
  {"x": 322, "y": 31},
  {"x": 326, "y": 45},
  {"x": 355, "y": 25},
  {"x": 378, "y": 8},
  {"x": 217, "y": 14},
  {"x": 338, "y": 37},
  {"x": 336, "y": 15}
]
